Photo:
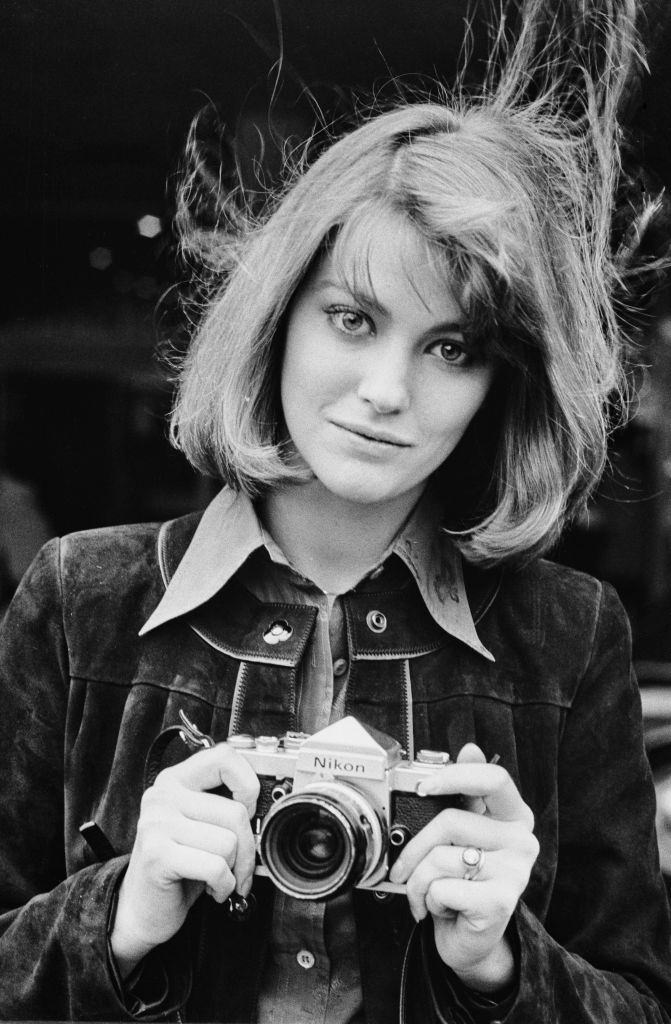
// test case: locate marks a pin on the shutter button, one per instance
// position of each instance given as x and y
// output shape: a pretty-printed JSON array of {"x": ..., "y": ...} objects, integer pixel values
[
  {"x": 305, "y": 959},
  {"x": 376, "y": 622},
  {"x": 277, "y": 632}
]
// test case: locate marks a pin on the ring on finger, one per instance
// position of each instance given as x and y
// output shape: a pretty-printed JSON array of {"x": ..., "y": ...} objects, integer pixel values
[{"x": 474, "y": 858}]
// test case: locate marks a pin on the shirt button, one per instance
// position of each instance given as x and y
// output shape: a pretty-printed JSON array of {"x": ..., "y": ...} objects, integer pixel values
[
  {"x": 339, "y": 667},
  {"x": 305, "y": 959}
]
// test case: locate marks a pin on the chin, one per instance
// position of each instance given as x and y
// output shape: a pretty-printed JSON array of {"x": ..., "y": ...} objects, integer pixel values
[
  {"x": 362, "y": 492},
  {"x": 364, "y": 497}
]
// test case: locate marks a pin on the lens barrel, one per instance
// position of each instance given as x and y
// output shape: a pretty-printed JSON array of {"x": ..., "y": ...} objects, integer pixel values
[{"x": 321, "y": 840}]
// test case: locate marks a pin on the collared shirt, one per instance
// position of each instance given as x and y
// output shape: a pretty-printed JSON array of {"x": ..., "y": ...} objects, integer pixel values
[
  {"x": 229, "y": 532},
  {"x": 312, "y": 971}
]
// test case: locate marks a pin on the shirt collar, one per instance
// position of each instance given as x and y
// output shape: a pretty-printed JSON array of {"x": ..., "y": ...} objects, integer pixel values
[
  {"x": 435, "y": 563},
  {"x": 229, "y": 532}
]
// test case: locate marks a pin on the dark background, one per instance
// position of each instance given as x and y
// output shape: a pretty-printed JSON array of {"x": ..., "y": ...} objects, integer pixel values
[{"x": 97, "y": 99}]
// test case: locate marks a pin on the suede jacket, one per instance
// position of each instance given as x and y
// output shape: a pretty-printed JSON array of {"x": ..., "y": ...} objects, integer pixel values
[{"x": 84, "y": 699}]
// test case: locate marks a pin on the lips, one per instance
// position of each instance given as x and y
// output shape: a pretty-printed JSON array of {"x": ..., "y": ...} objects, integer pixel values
[{"x": 373, "y": 434}]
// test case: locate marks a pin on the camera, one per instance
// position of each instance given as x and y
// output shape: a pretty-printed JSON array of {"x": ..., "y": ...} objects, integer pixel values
[{"x": 337, "y": 807}]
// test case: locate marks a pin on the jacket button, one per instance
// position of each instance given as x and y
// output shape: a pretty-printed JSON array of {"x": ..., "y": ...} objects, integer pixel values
[
  {"x": 340, "y": 667},
  {"x": 376, "y": 622},
  {"x": 305, "y": 959},
  {"x": 277, "y": 632}
]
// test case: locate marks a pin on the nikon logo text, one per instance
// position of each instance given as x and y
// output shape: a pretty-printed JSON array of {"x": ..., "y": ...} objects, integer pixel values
[{"x": 334, "y": 764}]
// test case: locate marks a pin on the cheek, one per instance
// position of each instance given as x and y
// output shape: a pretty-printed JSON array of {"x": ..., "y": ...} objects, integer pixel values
[
  {"x": 300, "y": 389},
  {"x": 310, "y": 374},
  {"x": 295, "y": 371},
  {"x": 449, "y": 415}
]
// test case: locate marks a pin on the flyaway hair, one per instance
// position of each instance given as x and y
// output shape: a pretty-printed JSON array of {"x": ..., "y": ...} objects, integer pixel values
[{"x": 514, "y": 187}]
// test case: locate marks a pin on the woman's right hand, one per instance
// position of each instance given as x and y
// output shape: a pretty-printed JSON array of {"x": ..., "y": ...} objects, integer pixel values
[{"x": 187, "y": 840}]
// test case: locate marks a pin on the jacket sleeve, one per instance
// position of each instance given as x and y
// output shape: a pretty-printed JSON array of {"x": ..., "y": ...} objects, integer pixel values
[
  {"x": 602, "y": 956},
  {"x": 54, "y": 960}
]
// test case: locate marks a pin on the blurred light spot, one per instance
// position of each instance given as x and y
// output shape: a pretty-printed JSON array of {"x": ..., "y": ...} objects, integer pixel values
[
  {"x": 149, "y": 226},
  {"x": 100, "y": 258}
]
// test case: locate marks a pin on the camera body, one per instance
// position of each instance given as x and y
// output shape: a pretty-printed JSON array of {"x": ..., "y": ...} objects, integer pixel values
[{"x": 337, "y": 807}]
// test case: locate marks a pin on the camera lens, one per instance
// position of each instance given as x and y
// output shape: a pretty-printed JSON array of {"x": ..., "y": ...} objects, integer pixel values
[
  {"x": 321, "y": 840},
  {"x": 314, "y": 845}
]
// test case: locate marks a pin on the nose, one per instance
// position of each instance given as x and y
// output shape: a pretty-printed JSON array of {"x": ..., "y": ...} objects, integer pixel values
[{"x": 385, "y": 381}]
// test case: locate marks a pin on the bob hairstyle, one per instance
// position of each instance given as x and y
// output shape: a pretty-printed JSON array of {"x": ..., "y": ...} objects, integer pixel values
[{"x": 514, "y": 203}]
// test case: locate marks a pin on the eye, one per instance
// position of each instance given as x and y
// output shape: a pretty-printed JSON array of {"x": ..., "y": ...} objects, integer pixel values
[
  {"x": 452, "y": 352},
  {"x": 350, "y": 321}
]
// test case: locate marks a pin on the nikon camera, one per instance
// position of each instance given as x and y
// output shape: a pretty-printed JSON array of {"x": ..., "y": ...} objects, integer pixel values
[{"x": 336, "y": 807}]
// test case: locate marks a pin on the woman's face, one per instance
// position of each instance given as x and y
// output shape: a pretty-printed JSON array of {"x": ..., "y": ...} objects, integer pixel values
[{"x": 378, "y": 387}]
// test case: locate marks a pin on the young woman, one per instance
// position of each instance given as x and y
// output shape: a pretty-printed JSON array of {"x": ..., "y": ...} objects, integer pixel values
[{"x": 402, "y": 383}]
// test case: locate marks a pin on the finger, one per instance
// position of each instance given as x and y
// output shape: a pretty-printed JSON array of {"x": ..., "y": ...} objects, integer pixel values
[
  {"x": 489, "y": 781},
  {"x": 219, "y": 765},
  {"x": 199, "y": 836},
  {"x": 173, "y": 812},
  {"x": 236, "y": 848},
  {"x": 470, "y": 753},
  {"x": 200, "y": 866},
  {"x": 457, "y": 827},
  {"x": 211, "y": 808},
  {"x": 235, "y": 823},
  {"x": 442, "y": 862},
  {"x": 489, "y": 903}
]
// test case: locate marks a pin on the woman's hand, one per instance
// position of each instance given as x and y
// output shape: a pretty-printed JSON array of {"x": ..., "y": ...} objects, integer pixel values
[
  {"x": 470, "y": 916},
  {"x": 187, "y": 840}
]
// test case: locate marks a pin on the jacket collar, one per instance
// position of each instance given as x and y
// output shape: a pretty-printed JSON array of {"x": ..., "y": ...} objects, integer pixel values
[{"x": 196, "y": 565}]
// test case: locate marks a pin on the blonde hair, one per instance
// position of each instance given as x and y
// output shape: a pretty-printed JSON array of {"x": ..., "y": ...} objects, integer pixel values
[{"x": 517, "y": 198}]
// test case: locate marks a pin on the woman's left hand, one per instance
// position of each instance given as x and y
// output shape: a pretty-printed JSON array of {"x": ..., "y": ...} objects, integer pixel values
[{"x": 471, "y": 915}]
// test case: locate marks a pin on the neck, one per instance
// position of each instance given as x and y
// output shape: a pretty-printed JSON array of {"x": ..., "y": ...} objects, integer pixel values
[{"x": 332, "y": 541}]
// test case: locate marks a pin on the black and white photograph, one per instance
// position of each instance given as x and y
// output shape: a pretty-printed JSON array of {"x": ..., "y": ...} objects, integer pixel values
[{"x": 335, "y": 511}]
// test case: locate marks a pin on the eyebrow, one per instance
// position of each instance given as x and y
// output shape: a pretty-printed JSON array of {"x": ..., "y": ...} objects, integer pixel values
[
  {"x": 364, "y": 300},
  {"x": 449, "y": 326}
]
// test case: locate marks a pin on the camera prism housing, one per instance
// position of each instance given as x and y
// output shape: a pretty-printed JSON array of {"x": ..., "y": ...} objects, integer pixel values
[{"x": 337, "y": 807}]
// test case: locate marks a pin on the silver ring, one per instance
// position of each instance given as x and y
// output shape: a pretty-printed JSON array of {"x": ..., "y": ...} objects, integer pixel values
[{"x": 474, "y": 858}]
